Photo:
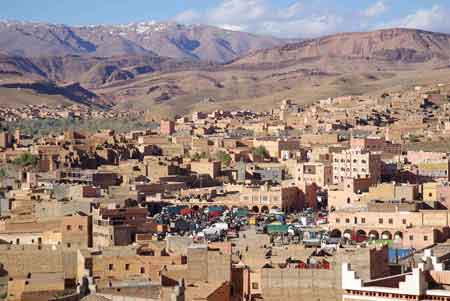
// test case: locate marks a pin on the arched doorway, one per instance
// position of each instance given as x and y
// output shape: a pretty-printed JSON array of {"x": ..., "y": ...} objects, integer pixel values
[
  {"x": 265, "y": 209},
  {"x": 348, "y": 234},
  {"x": 336, "y": 233},
  {"x": 255, "y": 209},
  {"x": 386, "y": 235},
  {"x": 195, "y": 208},
  {"x": 361, "y": 235},
  {"x": 398, "y": 235},
  {"x": 373, "y": 234}
]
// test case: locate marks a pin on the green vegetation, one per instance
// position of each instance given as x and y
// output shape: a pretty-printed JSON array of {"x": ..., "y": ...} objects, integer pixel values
[
  {"x": 260, "y": 152},
  {"x": 39, "y": 127},
  {"x": 223, "y": 157},
  {"x": 26, "y": 160},
  {"x": 198, "y": 157},
  {"x": 3, "y": 173},
  {"x": 413, "y": 138}
]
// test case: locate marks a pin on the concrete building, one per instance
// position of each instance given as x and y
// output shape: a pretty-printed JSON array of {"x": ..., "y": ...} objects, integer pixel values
[
  {"x": 207, "y": 167},
  {"x": 428, "y": 281},
  {"x": 356, "y": 163},
  {"x": 275, "y": 146},
  {"x": 375, "y": 144},
  {"x": 409, "y": 229},
  {"x": 314, "y": 172}
]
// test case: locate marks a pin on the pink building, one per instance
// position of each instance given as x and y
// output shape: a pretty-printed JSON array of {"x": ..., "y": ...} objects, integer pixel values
[{"x": 167, "y": 127}]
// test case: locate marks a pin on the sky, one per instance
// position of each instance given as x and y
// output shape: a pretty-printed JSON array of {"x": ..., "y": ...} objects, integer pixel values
[{"x": 282, "y": 18}]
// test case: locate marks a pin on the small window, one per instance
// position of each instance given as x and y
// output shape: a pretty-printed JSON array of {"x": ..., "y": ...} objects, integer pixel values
[
  {"x": 430, "y": 194},
  {"x": 69, "y": 245},
  {"x": 363, "y": 220},
  {"x": 411, "y": 237},
  {"x": 255, "y": 285},
  {"x": 110, "y": 267},
  {"x": 338, "y": 220},
  {"x": 142, "y": 270},
  {"x": 80, "y": 227},
  {"x": 347, "y": 221},
  {"x": 68, "y": 227},
  {"x": 390, "y": 221},
  {"x": 380, "y": 220},
  {"x": 425, "y": 238},
  {"x": 127, "y": 267},
  {"x": 404, "y": 221}
]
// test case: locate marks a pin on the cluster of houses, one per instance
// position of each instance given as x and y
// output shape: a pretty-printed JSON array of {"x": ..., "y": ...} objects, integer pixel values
[{"x": 82, "y": 215}]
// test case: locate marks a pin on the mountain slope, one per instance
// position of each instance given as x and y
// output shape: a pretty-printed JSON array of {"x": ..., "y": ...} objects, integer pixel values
[
  {"x": 396, "y": 46},
  {"x": 341, "y": 64},
  {"x": 197, "y": 42}
]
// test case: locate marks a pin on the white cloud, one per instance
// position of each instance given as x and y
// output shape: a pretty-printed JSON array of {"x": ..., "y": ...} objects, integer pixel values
[
  {"x": 301, "y": 19},
  {"x": 188, "y": 17},
  {"x": 435, "y": 19},
  {"x": 259, "y": 16},
  {"x": 374, "y": 10},
  {"x": 306, "y": 27},
  {"x": 291, "y": 11},
  {"x": 239, "y": 11},
  {"x": 232, "y": 27}
]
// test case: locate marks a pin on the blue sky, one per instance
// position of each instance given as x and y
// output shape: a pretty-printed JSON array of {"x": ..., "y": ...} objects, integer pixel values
[{"x": 284, "y": 18}]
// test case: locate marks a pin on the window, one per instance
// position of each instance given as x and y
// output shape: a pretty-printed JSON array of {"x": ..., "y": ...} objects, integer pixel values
[
  {"x": 425, "y": 238},
  {"x": 363, "y": 220},
  {"x": 255, "y": 285},
  {"x": 68, "y": 227},
  {"x": 404, "y": 221},
  {"x": 390, "y": 221},
  {"x": 338, "y": 220},
  {"x": 380, "y": 220},
  {"x": 347, "y": 221},
  {"x": 430, "y": 194},
  {"x": 69, "y": 245},
  {"x": 142, "y": 270},
  {"x": 110, "y": 267},
  {"x": 80, "y": 227},
  {"x": 127, "y": 267},
  {"x": 348, "y": 200},
  {"x": 355, "y": 220},
  {"x": 411, "y": 237}
]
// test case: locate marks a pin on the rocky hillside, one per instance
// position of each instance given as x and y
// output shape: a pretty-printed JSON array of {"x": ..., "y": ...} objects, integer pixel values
[
  {"x": 396, "y": 46},
  {"x": 198, "y": 42}
]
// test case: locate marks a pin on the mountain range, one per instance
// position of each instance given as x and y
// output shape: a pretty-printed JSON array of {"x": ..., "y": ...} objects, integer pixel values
[
  {"x": 197, "y": 42},
  {"x": 171, "y": 68}
]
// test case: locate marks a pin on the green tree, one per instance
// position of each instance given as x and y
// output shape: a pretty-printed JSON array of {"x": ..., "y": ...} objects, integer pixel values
[
  {"x": 26, "y": 160},
  {"x": 260, "y": 152},
  {"x": 413, "y": 138},
  {"x": 196, "y": 157},
  {"x": 223, "y": 157}
]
